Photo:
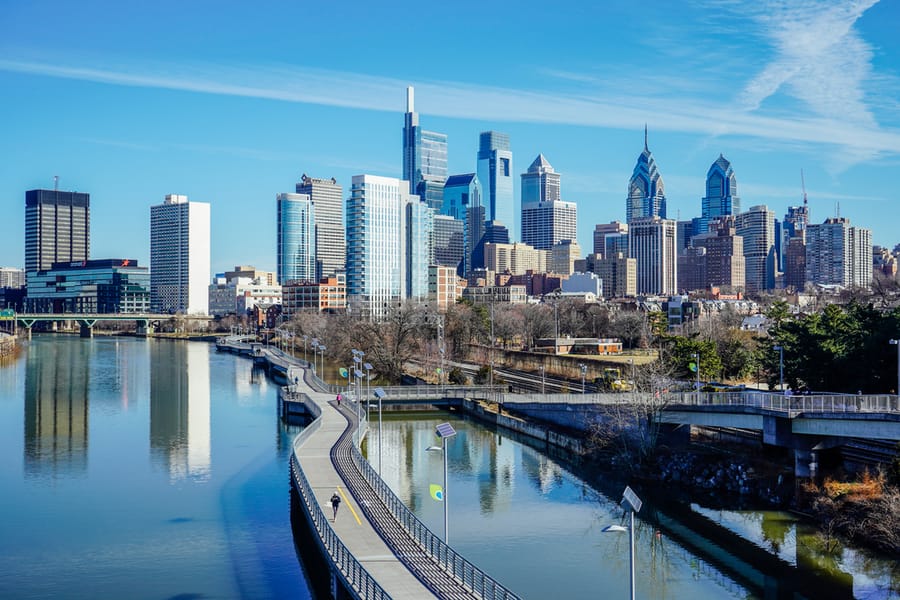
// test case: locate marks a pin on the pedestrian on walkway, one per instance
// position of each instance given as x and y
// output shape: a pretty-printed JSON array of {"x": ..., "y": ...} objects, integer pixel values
[
  {"x": 338, "y": 399},
  {"x": 335, "y": 502}
]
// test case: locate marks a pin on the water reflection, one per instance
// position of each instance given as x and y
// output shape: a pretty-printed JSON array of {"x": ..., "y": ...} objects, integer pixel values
[
  {"x": 180, "y": 409},
  {"x": 56, "y": 411}
]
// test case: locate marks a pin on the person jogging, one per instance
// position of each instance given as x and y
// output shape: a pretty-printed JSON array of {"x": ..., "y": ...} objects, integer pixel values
[{"x": 335, "y": 502}]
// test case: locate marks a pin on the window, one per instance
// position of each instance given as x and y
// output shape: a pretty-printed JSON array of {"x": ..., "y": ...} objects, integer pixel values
[{"x": 504, "y": 165}]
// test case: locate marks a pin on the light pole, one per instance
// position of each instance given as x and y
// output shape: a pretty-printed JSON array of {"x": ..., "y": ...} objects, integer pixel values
[
  {"x": 583, "y": 373},
  {"x": 696, "y": 357},
  {"x": 322, "y": 349},
  {"x": 305, "y": 337},
  {"x": 632, "y": 504},
  {"x": 379, "y": 393},
  {"x": 897, "y": 343},
  {"x": 543, "y": 379},
  {"x": 315, "y": 347},
  {"x": 780, "y": 366},
  {"x": 368, "y": 368},
  {"x": 358, "y": 374},
  {"x": 444, "y": 431}
]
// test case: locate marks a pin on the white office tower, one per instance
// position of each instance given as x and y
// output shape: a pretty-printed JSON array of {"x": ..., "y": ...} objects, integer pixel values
[
  {"x": 379, "y": 244},
  {"x": 652, "y": 243},
  {"x": 546, "y": 220},
  {"x": 838, "y": 254},
  {"x": 179, "y": 256}
]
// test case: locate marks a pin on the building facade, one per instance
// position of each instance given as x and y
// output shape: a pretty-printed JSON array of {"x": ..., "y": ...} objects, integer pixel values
[
  {"x": 296, "y": 238},
  {"x": 377, "y": 243},
  {"x": 546, "y": 219},
  {"x": 10, "y": 277},
  {"x": 838, "y": 254},
  {"x": 721, "y": 198},
  {"x": 653, "y": 245},
  {"x": 462, "y": 201},
  {"x": 757, "y": 227},
  {"x": 611, "y": 238},
  {"x": 424, "y": 157},
  {"x": 646, "y": 189},
  {"x": 563, "y": 256},
  {"x": 725, "y": 263},
  {"x": 328, "y": 202},
  {"x": 448, "y": 242},
  {"x": 104, "y": 286},
  {"x": 326, "y": 295},
  {"x": 495, "y": 168},
  {"x": 57, "y": 228},
  {"x": 179, "y": 256},
  {"x": 443, "y": 288}
]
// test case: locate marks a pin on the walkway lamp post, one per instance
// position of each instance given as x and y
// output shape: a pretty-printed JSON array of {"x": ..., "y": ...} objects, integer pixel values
[
  {"x": 358, "y": 374},
  {"x": 897, "y": 343},
  {"x": 368, "y": 368},
  {"x": 444, "y": 431},
  {"x": 379, "y": 393},
  {"x": 583, "y": 373},
  {"x": 322, "y": 349},
  {"x": 696, "y": 357},
  {"x": 780, "y": 366},
  {"x": 305, "y": 337},
  {"x": 543, "y": 380},
  {"x": 632, "y": 504},
  {"x": 315, "y": 347}
]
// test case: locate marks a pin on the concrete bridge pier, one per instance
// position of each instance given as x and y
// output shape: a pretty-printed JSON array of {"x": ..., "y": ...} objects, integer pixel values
[
  {"x": 142, "y": 328},
  {"x": 87, "y": 327}
]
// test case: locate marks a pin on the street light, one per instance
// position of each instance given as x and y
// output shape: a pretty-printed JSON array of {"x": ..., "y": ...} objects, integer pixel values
[
  {"x": 315, "y": 347},
  {"x": 379, "y": 393},
  {"x": 696, "y": 357},
  {"x": 368, "y": 368},
  {"x": 444, "y": 431},
  {"x": 322, "y": 349},
  {"x": 632, "y": 504},
  {"x": 583, "y": 372},
  {"x": 897, "y": 343},
  {"x": 543, "y": 379},
  {"x": 305, "y": 337},
  {"x": 780, "y": 366},
  {"x": 358, "y": 374}
]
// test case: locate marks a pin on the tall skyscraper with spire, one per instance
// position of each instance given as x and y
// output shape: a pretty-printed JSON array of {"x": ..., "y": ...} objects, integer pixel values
[
  {"x": 721, "y": 198},
  {"x": 546, "y": 220},
  {"x": 495, "y": 173},
  {"x": 424, "y": 157},
  {"x": 646, "y": 190}
]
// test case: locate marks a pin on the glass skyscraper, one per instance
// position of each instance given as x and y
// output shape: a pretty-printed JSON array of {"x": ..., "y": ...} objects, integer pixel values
[
  {"x": 379, "y": 240},
  {"x": 296, "y": 238},
  {"x": 495, "y": 173},
  {"x": 721, "y": 198},
  {"x": 424, "y": 157},
  {"x": 546, "y": 220},
  {"x": 330, "y": 246},
  {"x": 646, "y": 190},
  {"x": 462, "y": 201}
]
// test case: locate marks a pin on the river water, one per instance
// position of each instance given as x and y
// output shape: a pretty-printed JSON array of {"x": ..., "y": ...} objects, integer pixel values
[{"x": 158, "y": 469}]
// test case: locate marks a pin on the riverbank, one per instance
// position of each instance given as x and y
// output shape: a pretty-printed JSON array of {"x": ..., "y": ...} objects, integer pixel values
[{"x": 9, "y": 346}]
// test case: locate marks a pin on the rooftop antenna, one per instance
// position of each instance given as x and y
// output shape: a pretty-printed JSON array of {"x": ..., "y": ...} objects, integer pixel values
[
  {"x": 803, "y": 184},
  {"x": 56, "y": 183},
  {"x": 646, "y": 149},
  {"x": 837, "y": 209}
]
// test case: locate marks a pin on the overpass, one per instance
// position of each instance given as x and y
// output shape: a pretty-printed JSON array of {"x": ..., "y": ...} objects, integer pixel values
[{"x": 87, "y": 321}]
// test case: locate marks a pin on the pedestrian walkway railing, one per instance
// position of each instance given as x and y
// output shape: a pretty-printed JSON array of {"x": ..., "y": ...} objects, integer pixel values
[
  {"x": 479, "y": 582},
  {"x": 792, "y": 405},
  {"x": 350, "y": 570}
]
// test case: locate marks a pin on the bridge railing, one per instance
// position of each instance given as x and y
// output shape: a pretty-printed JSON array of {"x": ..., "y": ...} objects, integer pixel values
[
  {"x": 793, "y": 404},
  {"x": 350, "y": 570},
  {"x": 472, "y": 577}
]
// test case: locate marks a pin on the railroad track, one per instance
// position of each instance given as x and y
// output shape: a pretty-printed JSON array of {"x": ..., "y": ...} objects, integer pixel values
[{"x": 431, "y": 573}]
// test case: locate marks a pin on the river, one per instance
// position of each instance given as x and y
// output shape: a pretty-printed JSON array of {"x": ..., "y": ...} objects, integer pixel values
[{"x": 158, "y": 469}]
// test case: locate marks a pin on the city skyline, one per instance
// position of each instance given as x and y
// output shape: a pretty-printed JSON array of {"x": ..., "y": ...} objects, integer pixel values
[{"x": 233, "y": 121}]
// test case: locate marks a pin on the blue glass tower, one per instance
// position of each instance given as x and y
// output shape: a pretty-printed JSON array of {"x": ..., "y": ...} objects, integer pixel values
[
  {"x": 424, "y": 157},
  {"x": 646, "y": 190},
  {"x": 296, "y": 238},
  {"x": 721, "y": 194},
  {"x": 462, "y": 200},
  {"x": 495, "y": 173}
]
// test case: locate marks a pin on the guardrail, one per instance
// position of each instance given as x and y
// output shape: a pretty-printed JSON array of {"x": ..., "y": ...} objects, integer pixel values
[
  {"x": 792, "y": 405},
  {"x": 351, "y": 572},
  {"x": 472, "y": 577}
]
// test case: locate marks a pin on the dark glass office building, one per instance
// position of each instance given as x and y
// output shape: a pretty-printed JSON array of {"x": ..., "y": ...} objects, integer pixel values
[{"x": 57, "y": 228}]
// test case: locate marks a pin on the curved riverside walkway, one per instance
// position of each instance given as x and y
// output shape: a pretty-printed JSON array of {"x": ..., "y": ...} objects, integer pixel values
[{"x": 380, "y": 548}]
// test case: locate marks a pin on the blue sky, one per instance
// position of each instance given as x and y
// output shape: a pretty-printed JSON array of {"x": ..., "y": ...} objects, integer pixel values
[{"x": 230, "y": 103}]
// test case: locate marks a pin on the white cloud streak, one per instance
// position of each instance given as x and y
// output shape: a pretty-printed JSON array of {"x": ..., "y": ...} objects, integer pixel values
[{"x": 852, "y": 138}]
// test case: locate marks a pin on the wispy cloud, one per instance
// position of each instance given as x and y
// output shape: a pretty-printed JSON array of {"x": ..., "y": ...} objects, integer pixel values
[
  {"x": 820, "y": 59},
  {"x": 852, "y": 138}
]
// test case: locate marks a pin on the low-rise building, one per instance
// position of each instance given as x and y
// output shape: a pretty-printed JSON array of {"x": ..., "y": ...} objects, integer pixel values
[
  {"x": 102, "y": 286},
  {"x": 327, "y": 295}
]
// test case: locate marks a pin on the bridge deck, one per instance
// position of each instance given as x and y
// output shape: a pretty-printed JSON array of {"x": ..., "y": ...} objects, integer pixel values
[{"x": 351, "y": 525}]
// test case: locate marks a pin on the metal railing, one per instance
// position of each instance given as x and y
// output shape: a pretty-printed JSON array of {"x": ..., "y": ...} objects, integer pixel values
[
  {"x": 350, "y": 570},
  {"x": 792, "y": 405},
  {"x": 471, "y": 576}
]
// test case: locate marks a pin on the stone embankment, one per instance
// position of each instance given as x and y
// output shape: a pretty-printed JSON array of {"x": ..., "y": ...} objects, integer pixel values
[{"x": 8, "y": 345}]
